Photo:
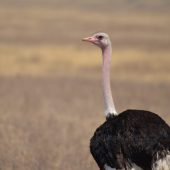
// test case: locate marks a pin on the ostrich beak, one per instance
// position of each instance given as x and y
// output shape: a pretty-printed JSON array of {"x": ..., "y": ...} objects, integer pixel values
[{"x": 89, "y": 39}]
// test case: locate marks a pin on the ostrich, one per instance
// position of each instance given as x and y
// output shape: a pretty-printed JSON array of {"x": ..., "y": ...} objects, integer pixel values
[{"x": 133, "y": 139}]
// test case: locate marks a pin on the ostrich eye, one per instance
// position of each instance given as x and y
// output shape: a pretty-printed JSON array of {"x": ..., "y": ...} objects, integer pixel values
[{"x": 100, "y": 37}]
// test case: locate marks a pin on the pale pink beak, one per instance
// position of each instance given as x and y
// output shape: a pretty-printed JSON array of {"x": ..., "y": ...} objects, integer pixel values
[{"x": 90, "y": 39}]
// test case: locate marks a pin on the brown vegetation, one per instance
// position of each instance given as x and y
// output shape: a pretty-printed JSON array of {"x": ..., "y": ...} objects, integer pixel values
[{"x": 50, "y": 92}]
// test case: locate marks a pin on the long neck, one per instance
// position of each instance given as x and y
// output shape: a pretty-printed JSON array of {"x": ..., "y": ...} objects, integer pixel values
[{"x": 108, "y": 100}]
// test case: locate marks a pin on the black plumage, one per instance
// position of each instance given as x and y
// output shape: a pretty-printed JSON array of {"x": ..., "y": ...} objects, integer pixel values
[{"x": 134, "y": 136}]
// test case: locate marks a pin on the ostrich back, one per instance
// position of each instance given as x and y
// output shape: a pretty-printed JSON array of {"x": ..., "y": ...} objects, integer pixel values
[{"x": 132, "y": 137}]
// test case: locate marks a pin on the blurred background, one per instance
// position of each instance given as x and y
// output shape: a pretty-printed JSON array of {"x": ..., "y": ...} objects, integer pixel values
[{"x": 50, "y": 82}]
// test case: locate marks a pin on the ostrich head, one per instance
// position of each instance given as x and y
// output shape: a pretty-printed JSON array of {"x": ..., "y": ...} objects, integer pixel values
[{"x": 100, "y": 39}]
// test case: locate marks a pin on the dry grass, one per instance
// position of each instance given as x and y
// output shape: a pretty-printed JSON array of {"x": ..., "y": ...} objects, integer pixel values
[
  {"x": 46, "y": 122},
  {"x": 140, "y": 65},
  {"x": 41, "y": 24},
  {"x": 51, "y": 98}
]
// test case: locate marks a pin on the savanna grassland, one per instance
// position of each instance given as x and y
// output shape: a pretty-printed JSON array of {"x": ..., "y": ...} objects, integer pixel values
[{"x": 50, "y": 84}]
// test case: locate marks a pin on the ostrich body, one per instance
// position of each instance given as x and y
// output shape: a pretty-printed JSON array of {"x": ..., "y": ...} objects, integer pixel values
[{"x": 133, "y": 139}]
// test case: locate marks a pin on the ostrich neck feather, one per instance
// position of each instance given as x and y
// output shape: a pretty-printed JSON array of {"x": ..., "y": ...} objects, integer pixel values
[{"x": 108, "y": 100}]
